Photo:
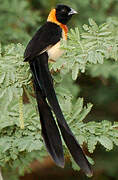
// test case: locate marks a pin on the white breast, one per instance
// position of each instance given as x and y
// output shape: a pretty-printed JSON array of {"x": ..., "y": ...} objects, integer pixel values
[{"x": 55, "y": 52}]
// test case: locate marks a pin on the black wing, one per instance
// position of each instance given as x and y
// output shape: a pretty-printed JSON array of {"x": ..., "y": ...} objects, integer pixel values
[{"x": 48, "y": 35}]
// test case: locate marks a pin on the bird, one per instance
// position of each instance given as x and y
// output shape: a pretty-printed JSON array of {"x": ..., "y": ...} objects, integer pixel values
[{"x": 43, "y": 47}]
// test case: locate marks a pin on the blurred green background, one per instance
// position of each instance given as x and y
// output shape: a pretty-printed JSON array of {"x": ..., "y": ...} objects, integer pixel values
[{"x": 19, "y": 19}]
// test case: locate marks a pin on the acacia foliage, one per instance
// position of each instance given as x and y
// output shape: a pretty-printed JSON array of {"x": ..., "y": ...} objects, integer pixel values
[{"x": 20, "y": 134}]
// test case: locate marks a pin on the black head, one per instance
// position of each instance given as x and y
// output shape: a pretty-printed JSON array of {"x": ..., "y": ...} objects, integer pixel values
[{"x": 64, "y": 13}]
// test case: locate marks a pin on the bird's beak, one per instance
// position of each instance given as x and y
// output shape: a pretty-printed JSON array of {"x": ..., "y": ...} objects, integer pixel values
[{"x": 72, "y": 12}]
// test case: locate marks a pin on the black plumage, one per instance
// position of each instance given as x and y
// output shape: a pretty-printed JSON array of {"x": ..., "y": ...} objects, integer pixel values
[
  {"x": 47, "y": 36},
  {"x": 37, "y": 55}
]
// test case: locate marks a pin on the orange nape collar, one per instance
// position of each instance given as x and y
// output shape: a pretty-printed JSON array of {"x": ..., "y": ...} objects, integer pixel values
[{"x": 52, "y": 18}]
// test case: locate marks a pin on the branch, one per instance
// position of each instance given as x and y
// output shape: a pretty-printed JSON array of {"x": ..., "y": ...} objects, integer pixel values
[{"x": 1, "y": 178}]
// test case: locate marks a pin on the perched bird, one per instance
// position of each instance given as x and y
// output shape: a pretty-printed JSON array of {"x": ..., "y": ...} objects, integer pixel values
[{"x": 45, "y": 45}]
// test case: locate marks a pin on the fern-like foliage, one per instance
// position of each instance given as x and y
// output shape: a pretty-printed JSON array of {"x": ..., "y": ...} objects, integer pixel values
[
  {"x": 20, "y": 133},
  {"x": 16, "y": 19},
  {"x": 91, "y": 47}
]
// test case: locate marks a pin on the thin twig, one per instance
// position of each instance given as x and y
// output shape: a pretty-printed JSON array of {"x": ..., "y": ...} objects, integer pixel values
[
  {"x": 1, "y": 178},
  {"x": 21, "y": 112}
]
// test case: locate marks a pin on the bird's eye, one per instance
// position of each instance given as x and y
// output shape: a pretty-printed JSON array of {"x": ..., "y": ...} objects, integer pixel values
[{"x": 63, "y": 10}]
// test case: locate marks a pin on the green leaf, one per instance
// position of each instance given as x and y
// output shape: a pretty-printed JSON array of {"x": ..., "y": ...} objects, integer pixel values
[
  {"x": 35, "y": 145},
  {"x": 75, "y": 70},
  {"x": 115, "y": 140},
  {"x": 0, "y": 50},
  {"x": 85, "y": 111},
  {"x": 77, "y": 107},
  {"x": 77, "y": 34},
  {"x": 92, "y": 142},
  {"x": 85, "y": 27},
  {"x": 99, "y": 58},
  {"x": 5, "y": 144},
  {"x": 2, "y": 78},
  {"x": 81, "y": 139},
  {"x": 90, "y": 160},
  {"x": 93, "y": 24},
  {"x": 74, "y": 165},
  {"x": 104, "y": 33},
  {"x": 106, "y": 142},
  {"x": 74, "y": 34},
  {"x": 24, "y": 143}
]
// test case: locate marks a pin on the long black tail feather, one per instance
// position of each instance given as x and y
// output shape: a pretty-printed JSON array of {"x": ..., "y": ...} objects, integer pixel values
[
  {"x": 50, "y": 131},
  {"x": 72, "y": 144}
]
